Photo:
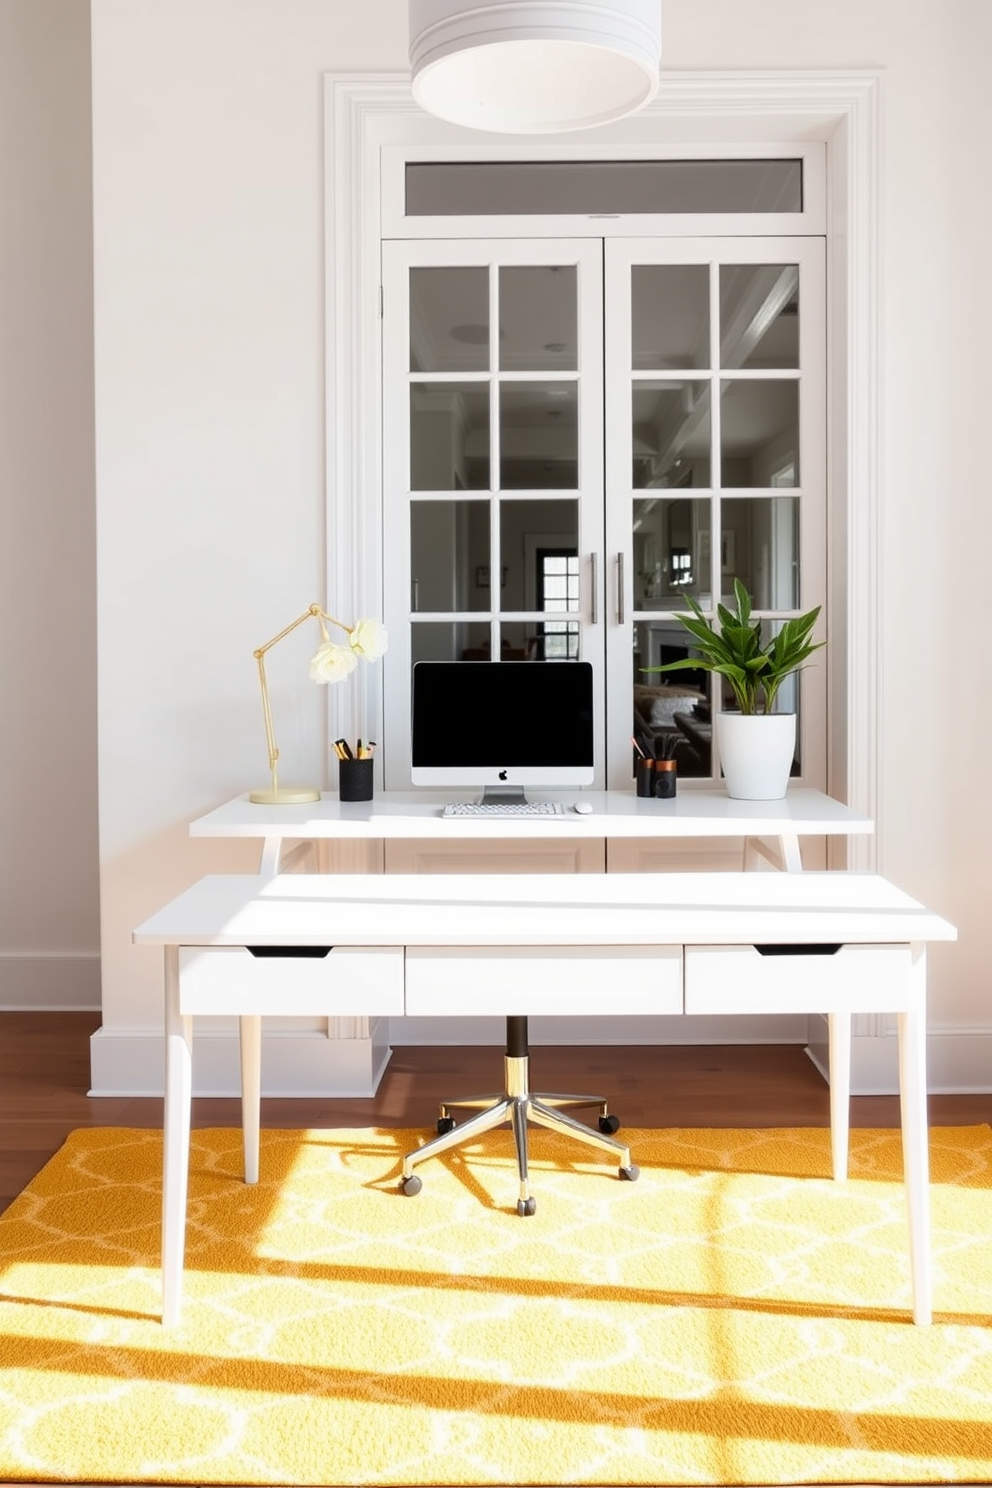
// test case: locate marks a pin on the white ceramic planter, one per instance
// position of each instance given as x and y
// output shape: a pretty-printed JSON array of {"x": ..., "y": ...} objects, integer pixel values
[{"x": 756, "y": 752}]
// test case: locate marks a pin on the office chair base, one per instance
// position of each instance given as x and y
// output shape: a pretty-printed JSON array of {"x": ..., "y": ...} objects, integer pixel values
[
  {"x": 520, "y": 1108},
  {"x": 608, "y": 1122}
]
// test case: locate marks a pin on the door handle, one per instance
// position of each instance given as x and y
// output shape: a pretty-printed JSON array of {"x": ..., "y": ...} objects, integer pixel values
[
  {"x": 621, "y": 614},
  {"x": 594, "y": 588}
]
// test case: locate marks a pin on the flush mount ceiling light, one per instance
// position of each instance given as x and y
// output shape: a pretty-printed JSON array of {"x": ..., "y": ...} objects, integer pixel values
[{"x": 534, "y": 66}]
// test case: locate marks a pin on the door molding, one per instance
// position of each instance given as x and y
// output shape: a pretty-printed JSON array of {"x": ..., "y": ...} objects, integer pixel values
[{"x": 364, "y": 112}]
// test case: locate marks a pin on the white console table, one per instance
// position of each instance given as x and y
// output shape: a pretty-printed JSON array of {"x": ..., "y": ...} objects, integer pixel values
[
  {"x": 512, "y": 944},
  {"x": 618, "y": 814},
  {"x": 288, "y": 837}
]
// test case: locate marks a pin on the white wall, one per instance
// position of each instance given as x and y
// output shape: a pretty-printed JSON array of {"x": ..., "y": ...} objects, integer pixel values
[
  {"x": 209, "y": 303},
  {"x": 49, "y": 926}
]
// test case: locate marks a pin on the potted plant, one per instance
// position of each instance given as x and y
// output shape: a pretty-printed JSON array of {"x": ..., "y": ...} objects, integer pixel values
[{"x": 756, "y": 745}]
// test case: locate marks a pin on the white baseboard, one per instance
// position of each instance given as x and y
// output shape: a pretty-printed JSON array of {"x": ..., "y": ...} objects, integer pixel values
[
  {"x": 294, "y": 1063},
  {"x": 959, "y": 1059},
  {"x": 308, "y": 1063},
  {"x": 46, "y": 983}
]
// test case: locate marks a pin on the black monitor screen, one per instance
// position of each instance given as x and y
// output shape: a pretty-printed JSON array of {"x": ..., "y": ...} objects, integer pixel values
[{"x": 480, "y": 721}]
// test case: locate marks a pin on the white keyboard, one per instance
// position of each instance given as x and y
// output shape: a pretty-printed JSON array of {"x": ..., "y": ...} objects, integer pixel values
[{"x": 503, "y": 808}]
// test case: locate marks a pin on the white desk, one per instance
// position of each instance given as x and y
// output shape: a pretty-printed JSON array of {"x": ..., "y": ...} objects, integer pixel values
[
  {"x": 771, "y": 831},
  {"x": 692, "y": 813},
  {"x": 524, "y": 944}
]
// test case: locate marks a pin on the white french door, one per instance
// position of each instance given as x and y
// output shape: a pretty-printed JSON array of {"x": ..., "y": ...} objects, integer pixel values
[
  {"x": 577, "y": 434},
  {"x": 715, "y": 419},
  {"x": 492, "y": 463}
]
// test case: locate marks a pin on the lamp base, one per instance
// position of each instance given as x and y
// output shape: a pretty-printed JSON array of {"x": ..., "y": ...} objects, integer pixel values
[{"x": 284, "y": 795}]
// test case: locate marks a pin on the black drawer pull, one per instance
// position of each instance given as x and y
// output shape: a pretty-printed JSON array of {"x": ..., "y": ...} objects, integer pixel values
[
  {"x": 316, "y": 953},
  {"x": 812, "y": 949}
]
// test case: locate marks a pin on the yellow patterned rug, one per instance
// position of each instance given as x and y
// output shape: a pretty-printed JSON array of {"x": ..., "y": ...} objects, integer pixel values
[{"x": 733, "y": 1318}]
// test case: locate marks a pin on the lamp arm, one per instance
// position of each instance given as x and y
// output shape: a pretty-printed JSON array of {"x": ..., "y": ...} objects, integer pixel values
[{"x": 314, "y": 612}]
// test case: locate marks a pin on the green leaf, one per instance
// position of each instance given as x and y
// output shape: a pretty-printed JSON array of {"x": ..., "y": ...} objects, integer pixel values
[{"x": 733, "y": 648}]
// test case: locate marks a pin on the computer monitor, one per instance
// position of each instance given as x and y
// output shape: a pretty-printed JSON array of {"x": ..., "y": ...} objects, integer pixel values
[{"x": 501, "y": 726}]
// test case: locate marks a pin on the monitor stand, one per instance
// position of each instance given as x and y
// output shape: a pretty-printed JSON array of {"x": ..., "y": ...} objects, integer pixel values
[{"x": 498, "y": 795}]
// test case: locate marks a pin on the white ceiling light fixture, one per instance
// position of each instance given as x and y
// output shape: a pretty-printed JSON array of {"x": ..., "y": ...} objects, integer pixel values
[{"x": 534, "y": 66}]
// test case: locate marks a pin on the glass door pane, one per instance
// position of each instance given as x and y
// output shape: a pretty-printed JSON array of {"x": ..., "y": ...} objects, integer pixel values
[
  {"x": 449, "y": 316},
  {"x": 484, "y": 188}
]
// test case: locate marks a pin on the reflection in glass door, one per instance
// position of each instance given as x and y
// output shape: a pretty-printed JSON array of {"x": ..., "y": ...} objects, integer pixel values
[{"x": 558, "y": 594}]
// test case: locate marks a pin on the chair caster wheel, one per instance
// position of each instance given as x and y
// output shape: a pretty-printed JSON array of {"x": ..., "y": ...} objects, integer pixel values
[
  {"x": 631, "y": 1174},
  {"x": 445, "y": 1124},
  {"x": 411, "y": 1185},
  {"x": 526, "y": 1206},
  {"x": 609, "y": 1124}
]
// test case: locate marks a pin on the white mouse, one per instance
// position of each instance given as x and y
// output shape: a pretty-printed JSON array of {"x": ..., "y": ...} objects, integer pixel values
[{"x": 582, "y": 807}]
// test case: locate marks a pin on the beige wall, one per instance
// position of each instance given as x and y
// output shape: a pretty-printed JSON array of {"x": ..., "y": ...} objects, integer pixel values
[
  {"x": 49, "y": 932},
  {"x": 209, "y": 303}
]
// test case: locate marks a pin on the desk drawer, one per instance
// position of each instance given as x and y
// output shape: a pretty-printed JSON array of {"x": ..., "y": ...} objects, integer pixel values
[
  {"x": 550, "y": 980},
  {"x": 355, "y": 980},
  {"x": 794, "y": 979}
]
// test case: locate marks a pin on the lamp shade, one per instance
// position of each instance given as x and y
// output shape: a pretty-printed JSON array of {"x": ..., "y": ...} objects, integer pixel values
[{"x": 534, "y": 66}]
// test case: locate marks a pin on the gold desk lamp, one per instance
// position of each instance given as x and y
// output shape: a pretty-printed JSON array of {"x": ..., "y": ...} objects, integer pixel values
[{"x": 330, "y": 663}]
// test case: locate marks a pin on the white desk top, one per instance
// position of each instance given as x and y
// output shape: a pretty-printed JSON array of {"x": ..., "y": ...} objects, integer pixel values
[
  {"x": 552, "y": 909},
  {"x": 692, "y": 813}
]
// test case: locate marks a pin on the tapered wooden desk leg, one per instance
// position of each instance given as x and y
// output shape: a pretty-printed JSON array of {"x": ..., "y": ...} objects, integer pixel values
[
  {"x": 269, "y": 860},
  {"x": 781, "y": 853},
  {"x": 915, "y": 1136},
  {"x": 839, "y": 1025},
  {"x": 250, "y": 1028},
  {"x": 176, "y": 1123}
]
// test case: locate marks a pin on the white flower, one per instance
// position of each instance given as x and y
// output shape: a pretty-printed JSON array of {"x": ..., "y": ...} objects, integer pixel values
[
  {"x": 369, "y": 639},
  {"x": 331, "y": 663}
]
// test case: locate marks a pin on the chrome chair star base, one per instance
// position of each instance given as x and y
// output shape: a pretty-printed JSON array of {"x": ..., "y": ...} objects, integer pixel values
[{"x": 518, "y": 1106}]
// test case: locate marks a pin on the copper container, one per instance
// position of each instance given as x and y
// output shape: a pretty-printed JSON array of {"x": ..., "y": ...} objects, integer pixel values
[{"x": 665, "y": 778}]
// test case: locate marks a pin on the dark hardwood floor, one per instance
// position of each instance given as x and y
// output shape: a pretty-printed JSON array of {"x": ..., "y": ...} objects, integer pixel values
[{"x": 44, "y": 1076}]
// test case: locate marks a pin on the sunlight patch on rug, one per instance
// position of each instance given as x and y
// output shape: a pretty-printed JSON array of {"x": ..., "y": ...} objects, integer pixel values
[{"x": 735, "y": 1317}]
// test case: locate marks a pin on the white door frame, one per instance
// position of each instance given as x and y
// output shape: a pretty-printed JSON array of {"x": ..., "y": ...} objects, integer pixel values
[{"x": 364, "y": 113}]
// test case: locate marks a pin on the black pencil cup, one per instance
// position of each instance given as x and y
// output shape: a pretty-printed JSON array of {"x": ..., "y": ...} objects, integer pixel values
[
  {"x": 644, "y": 776},
  {"x": 355, "y": 779},
  {"x": 665, "y": 779}
]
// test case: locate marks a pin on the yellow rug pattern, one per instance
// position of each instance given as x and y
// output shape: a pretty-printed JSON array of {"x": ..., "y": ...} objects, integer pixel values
[{"x": 735, "y": 1317}]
